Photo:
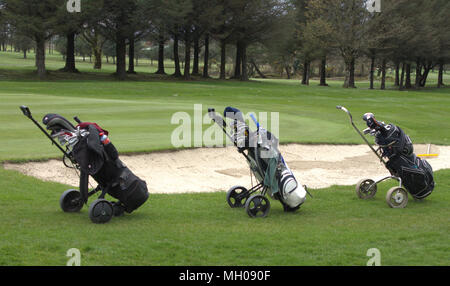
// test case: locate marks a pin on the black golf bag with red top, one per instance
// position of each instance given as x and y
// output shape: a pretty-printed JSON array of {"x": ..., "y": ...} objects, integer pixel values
[
  {"x": 89, "y": 151},
  {"x": 101, "y": 161}
]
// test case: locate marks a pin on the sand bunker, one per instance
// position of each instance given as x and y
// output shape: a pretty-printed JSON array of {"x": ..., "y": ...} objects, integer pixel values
[{"x": 217, "y": 169}]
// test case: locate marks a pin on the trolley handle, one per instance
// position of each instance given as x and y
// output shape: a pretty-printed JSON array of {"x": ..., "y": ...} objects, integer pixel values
[
  {"x": 26, "y": 111},
  {"x": 361, "y": 134}
]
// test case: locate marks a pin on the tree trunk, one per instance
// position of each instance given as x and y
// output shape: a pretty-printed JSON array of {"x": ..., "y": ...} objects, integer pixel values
[
  {"x": 305, "y": 76},
  {"x": 70, "y": 54},
  {"x": 222, "y": 59},
  {"x": 206, "y": 57},
  {"x": 286, "y": 68},
  {"x": 160, "y": 55},
  {"x": 441, "y": 75},
  {"x": 244, "y": 76},
  {"x": 25, "y": 53},
  {"x": 350, "y": 74},
  {"x": 383, "y": 75},
  {"x": 97, "y": 51},
  {"x": 176, "y": 57},
  {"x": 252, "y": 61},
  {"x": 397, "y": 74},
  {"x": 418, "y": 73},
  {"x": 195, "y": 69},
  {"x": 121, "y": 50},
  {"x": 427, "y": 68},
  {"x": 402, "y": 77},
  {"x": 40, "y": 57},
  {"x": 351, "y": 79},
  {"x": 238, "y": 63},
  {"x": 187, "y": 58},
  {"x": 323, "y": 71},
  {"x": 372, "y": 71},
  {"x": 408, "y": 76},
  {"x": 131, "y": 56}
]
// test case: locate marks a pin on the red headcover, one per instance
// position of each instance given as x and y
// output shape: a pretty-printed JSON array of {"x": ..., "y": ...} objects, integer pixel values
[{"x": 84, "y": 125}]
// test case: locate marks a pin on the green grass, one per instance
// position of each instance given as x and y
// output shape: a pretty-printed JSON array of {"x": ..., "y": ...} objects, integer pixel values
[
  {"x": 333, "y": 228},
  {"x": 138, "y": 112}
]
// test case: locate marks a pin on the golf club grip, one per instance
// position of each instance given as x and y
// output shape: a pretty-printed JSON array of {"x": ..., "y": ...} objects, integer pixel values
[
  {"x": 77, "y": 120},
  {"x": 26, "y": 111}
]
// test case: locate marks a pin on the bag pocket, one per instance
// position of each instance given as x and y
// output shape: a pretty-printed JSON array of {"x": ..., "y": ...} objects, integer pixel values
[
  {"x": 134, "y": 191},
  {"x": 414, "y": 180}
]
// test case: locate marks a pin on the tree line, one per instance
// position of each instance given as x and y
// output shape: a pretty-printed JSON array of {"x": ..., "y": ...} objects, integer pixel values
[{"x": 411, "y": 36}]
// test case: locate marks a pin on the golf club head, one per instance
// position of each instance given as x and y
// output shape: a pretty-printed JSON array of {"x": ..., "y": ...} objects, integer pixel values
[{"x": 26, "y": 111}]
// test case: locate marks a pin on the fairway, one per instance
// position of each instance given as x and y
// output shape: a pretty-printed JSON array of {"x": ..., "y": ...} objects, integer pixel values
[{"x": 332, "y": 228}]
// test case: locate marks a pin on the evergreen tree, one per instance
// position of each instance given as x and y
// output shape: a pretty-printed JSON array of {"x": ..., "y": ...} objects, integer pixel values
[{"x": 36, "y": 19}]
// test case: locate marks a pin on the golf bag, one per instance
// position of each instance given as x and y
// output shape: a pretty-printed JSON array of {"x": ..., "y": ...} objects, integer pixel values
[
  {"x": 266, "y": 163},
  {"x": 91, "y": 153},
  {"x": 416, "y": 173}
]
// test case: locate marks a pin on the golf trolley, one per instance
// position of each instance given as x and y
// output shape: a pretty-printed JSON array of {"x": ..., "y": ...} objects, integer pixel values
[
  {"x": 395, "y": 151},
  {"x": 254, "y": 200},
  {"x": 103, "y": 164}
]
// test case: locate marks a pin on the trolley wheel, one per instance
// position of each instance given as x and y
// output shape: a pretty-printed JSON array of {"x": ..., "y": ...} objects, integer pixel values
[
  {"x": 257, "y": 206},
  {"x": 70, "y": 201},
  {"x": 101, "y": 211},
  {"x": 364, "y": 190},
  {"x": 397, "y": 197},
  {"x": 236, "y": 196}
]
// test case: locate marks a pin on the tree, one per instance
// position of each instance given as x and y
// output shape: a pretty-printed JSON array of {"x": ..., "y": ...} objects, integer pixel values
[
  {"x": 303, "y": 48},
  {"x": 23, "y": 43},
  {"x": 36, "y": 19},
  {"x": 118, "y": 25},
  {"x": 252, "y": 19},
  {"x": 69, "y": 25},
  {"x": 178, "y": 22},
  {"x": 280, "y": 44},
  {"x": 91, "y": 31},
  {"x": 348, "y": 18},
  {"x": 222, "y": 30},
  {"x": 318, "y": 34}
]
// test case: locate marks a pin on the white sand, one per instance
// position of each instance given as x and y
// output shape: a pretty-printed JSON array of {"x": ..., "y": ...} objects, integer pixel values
[{"x": 217, "y": 169}]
